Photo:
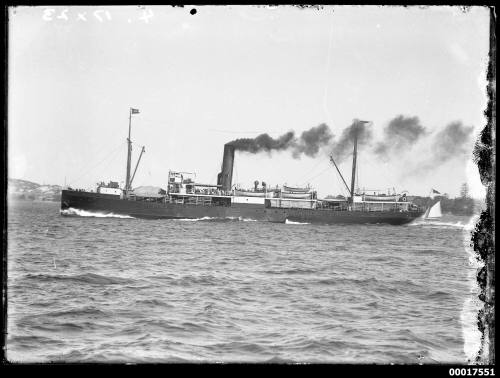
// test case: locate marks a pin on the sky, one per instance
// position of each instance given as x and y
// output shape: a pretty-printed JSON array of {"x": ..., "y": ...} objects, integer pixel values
[{"x": 227, "y": 72}]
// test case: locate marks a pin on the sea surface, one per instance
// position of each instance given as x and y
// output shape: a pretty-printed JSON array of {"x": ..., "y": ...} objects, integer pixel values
[{"x": 97, "y": 288}]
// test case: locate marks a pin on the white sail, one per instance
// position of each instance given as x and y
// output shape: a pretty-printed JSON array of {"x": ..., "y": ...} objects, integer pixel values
[{"x": 435, "y": 211}]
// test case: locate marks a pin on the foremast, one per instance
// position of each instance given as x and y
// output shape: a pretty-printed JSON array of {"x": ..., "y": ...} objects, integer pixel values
[{"x": 129, "y": 150}]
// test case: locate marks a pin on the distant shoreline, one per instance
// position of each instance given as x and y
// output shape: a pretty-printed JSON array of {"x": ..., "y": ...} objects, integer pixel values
[{"x": 10, "y": 199}]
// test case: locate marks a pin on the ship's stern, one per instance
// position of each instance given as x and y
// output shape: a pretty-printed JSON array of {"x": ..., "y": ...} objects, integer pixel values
[{"x": 65, "y": 201}]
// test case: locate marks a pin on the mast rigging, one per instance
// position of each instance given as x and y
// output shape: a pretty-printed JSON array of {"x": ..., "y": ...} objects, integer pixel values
[
  {"x": 342, "y": 177},
  {"x": 135, "y": 170}
]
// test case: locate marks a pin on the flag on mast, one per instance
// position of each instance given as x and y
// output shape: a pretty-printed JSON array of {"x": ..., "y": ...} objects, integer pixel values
[
  {"x": 433, "y": 193},
  {"x": 134, "y": 111}
]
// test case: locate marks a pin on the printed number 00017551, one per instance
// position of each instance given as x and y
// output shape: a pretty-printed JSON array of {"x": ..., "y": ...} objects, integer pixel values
[{"x": 484, "y": 372}]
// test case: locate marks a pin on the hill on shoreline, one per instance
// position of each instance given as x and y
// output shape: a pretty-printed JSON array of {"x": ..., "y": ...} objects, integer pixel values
[{"x": 28, "y": 190}]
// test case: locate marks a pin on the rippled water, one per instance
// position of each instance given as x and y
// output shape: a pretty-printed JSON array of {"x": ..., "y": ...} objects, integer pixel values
[{"x": 89, "y": 288}]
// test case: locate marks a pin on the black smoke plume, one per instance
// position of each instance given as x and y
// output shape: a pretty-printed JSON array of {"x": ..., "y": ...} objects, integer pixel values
[
  {"x": 451, "y": 142},
  {"x": 401, "y": 133},
  {"x": 312, "y": 140},
  {"x": 344, "y": 146},
  {"x": 309, "y": 143},
  {"x": 264, "y": 142}
]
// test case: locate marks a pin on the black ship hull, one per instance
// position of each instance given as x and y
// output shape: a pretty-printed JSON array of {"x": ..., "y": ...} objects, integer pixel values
[{"x": 105, "y": 203}]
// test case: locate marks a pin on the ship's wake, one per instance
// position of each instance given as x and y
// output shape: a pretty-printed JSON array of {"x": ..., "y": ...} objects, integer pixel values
[
  {"x": 292, "y": 222},
  {"x": 83, "y": 213},
  {"x": 216, "y": 219},
  {"x": 241, "y": 219},
  {"x": 439, "y": 224}
]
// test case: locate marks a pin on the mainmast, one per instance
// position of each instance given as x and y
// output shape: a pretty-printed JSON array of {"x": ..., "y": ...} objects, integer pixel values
[
  {"x": 129, "y": 143},
  {"x": 354, "y": 156},
  {"x": 356, "y": 125}
]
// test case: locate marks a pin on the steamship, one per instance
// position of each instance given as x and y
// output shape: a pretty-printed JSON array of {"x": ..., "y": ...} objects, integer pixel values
[{"x": 184, "y": 198}]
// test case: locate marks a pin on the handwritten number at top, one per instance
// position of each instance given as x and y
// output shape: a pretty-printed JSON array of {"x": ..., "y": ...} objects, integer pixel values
[{"x": 101, "y": 15}]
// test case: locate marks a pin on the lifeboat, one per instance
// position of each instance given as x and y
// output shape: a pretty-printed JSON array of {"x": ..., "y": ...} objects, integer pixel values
[
  {"x": 296, "y": 190},
  {"x": 296, "y": 195},
  {"x": 381, "y": 198},
  {"x": 248, "y": 193}
]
